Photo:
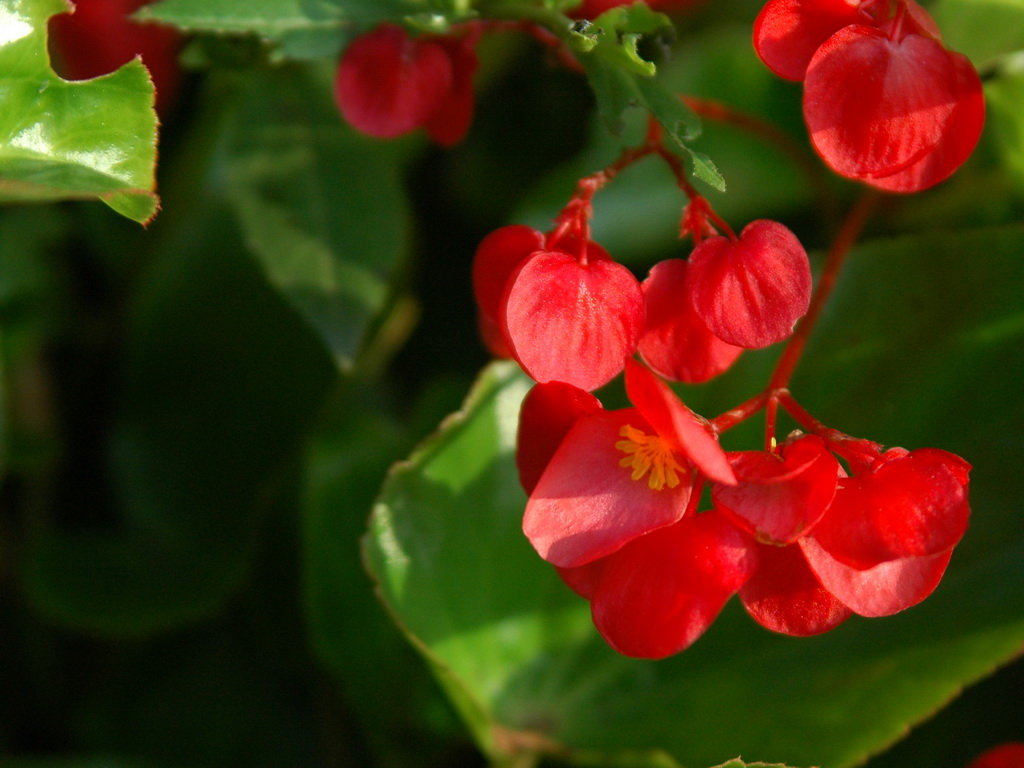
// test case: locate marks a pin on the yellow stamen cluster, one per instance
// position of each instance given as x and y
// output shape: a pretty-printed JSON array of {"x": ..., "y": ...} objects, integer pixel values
[{"x": 649, "y": 453}]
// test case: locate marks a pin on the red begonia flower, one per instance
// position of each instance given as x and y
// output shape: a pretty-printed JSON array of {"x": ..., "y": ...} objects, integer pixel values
[
  {"x": 680, "y": 427},
  {"x": 548, "y": 413},
  {"x": 660, "y": 592},
  {"x": 788, "y": 32},
  {"x": 779, "y": 498},
  {"x": 615, "y": 475},
  {"x": 1009, "y": 755},
  {"x": 785, "y": 596},
  {"x": 883, "y": 590},
  {"x": 611, "y": 480},
  {"x": 100, "y": 36},
  {"x": 751, "y": 291},
  {"x": 676, "y": 343},
  {"x": 912, "y": 505},
  {"x": 898, "y": 112},
  {"x": 389, "y": 83},
  {"x": 572, "y": 321},
  {"x": 450, "y": 122}
]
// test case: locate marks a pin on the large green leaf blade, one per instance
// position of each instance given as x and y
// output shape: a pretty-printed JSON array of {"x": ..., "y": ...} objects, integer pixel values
[
  {"x": 322, "y": 209},
  {"x": 515, "y": 650},
  {"x": 71, "y": 140}
]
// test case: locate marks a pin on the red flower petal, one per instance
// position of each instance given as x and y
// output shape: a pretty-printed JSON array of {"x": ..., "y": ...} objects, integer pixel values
[
  {"x": 788, "y": 32},
  {"x": 496, "y": 258},
  {"x": 660, "y": 592},
  {"x": 676, "y": 343},
  {"x": 785, "y": 596},
  {"x": 450, "y": 123},
  {"x": 676, "y": 423},
  {"x": 883, "y": 590},
  {"x": 573, "y": 322},
  {"x": 389, "y": 83},
  {"x": 910, "y": 506},
  {"x": 779, "y": 498},
  {"x": 586, "y": 504},
  {"x": 750, "y": 292},
  {"x": 1010, "y": 755},
  {"x": 548, "y": 413},
  {"x": 905, "y": 109}
]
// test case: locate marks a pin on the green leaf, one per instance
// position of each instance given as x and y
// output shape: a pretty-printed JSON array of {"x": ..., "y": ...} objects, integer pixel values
[
  {"x": 322, "y": 209},
  {"x": 64, "y": 140},
  {"x": 984, "y": 30},
  {"x": 1005, "y": 96},
  {"x": 515, "y": 649},
  {"x": 705, "y": 170},
  {"x": 302, "y": 29}
]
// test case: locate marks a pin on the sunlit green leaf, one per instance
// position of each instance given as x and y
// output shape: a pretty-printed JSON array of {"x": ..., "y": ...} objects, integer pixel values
[
  {"x": 1005, "y": 97},
  {"x": 69, "y": 140},
  {"x": 984, "y": 30}
]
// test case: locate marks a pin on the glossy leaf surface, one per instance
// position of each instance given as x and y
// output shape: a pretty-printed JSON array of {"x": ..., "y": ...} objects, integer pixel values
[{"x": 64, "y": 140}]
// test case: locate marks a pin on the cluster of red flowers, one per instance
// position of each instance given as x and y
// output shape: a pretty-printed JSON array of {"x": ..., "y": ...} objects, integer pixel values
[
  {"x": 613, "y": 495},
  {"x": 885, "y": 102},
  {"x": 810, "y": 530}
]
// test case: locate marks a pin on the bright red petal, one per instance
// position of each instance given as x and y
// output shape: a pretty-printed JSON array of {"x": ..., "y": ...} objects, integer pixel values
[
  {"x": 963, "y": 129},
  {"x": 586, "y": 505},
  {"x": 389, "y": 83},
  {"x": 1010, "y": 755},
  {"x": 877, "y": 108},
  {"x": 676, "y": 423},
  {"x": 911, "y": 506},
  {"x": 788, "y": 32},
  {"x": 779, "y": 498},
  {"x": 676, "y": 343},
  {"x": 497, "y": 257},
  {"x": 450, "y": 122},
  {"x": 659, "y": 593},
  {"x": 548, "y": 412},
  {"x": 573, "y": 322},
  {"x": 751, "y": 292},
  {"x": 785, "y": 596},
  {"x": 880, "y": 591}
]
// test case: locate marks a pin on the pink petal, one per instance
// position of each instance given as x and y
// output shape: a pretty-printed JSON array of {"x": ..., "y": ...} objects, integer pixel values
[
  {"x": 905, "y": 109},
  {"x": 910, "y": 506},
  {"x": 676, "y": 423},
  {"x": 785, "y": 596},
  {"x": 676, "y": 344},
  {"x": 779, "y": 498},
  {"x": 788, "y": 32},
  {"x": 389, "y": 83},
  {"x": 586, "y": 505},
  {"x": 449, "y": 124},
  {"x": 883, "y": 590},
  {"x": 660, "y": 592},
  {"x": 751, "y": 292},
  {"x": 573, "y": 322},
  {"x": 548, "y": 412}
]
